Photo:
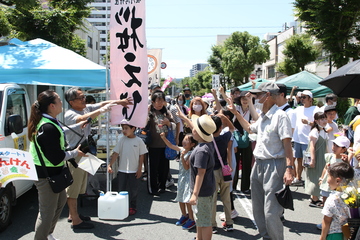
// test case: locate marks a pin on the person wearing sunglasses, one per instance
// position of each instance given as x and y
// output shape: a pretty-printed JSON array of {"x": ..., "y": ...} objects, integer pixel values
[{"x": 78, "y": 112}]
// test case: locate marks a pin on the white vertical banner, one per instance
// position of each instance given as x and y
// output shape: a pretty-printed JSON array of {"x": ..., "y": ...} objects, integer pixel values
[
  {"x": 128, "y": 60},
  {"x": 154, "y": 61}
]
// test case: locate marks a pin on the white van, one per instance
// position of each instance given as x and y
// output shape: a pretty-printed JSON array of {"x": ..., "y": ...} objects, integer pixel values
[{"x": 14, "y": 115}]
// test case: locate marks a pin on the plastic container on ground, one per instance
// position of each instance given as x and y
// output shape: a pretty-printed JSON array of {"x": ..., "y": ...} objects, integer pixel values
[{"x": 113, "y": 206}]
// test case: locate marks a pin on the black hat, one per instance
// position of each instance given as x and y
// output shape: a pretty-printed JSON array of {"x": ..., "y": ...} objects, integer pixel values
[
  {"x": 154, "y": 85},
  {"x": 186, "y": 89}
]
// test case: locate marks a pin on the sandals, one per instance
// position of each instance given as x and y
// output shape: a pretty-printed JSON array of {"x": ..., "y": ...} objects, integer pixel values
[{"x": 317, "y": 203}]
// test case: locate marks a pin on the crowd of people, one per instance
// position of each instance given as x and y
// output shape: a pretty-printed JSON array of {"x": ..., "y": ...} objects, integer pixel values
[{"x": 271, "y": 139}]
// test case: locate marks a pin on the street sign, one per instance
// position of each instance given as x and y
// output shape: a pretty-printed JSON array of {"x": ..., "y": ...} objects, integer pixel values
[
  {"x": 252, "y": 76},
  {"x": 163, "y": 65}
]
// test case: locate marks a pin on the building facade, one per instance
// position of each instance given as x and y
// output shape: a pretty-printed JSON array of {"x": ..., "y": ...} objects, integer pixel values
[{"x": 196, "y": 68}]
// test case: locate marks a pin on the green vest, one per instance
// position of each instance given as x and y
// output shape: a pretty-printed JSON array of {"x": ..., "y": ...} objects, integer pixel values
[{"x": 33, "y": 150}]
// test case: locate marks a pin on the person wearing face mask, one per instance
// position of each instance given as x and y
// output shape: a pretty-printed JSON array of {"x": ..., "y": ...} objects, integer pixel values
[
  {"x": 188, "y": 96},
  {"x": 302, "y": 120},
  {"x": 197, "y": 107},
  {"x": 317, "y": 146},
  {"x": 330, "y": 100},
  {"x": 273, "y": 160}
]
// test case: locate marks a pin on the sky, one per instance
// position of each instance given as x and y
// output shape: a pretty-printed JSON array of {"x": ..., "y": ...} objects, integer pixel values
[{"x": 186, "y": 30}]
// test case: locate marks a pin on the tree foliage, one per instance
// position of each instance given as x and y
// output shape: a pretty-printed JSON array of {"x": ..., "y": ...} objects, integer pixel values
[
  {"x": 54, "y": 21},
  {"x": 242, "y": 52},
  {"x": 335, "y": 23},
  {"x": 299, "y": 50},
  {"x": 200, "y": 84},
  {"x": 237, "y": 57}
]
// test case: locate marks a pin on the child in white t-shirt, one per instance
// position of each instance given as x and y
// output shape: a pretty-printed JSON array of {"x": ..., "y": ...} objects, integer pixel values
[
  {"x": 335, "y": 211},
  {"x": 131, "y": 150}
]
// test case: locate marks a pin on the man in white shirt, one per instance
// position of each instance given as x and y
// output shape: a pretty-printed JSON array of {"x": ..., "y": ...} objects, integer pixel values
[{"x": 301, "y": 121}]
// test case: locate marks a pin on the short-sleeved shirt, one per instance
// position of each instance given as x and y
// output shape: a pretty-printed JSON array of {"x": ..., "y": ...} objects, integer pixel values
[
  {"x": 271, "y": 129},
  {"x": 330, "y": 158},
  {"x": 129, "y": 150},
  {"x": 222, "y": 143},
  {"x": 203, "y": 157},
  {"x": 337, "y": 210},
  {"x": 331, "y": 135},
  {"x": 70, "y": 118},
  {"x": 301, "y": 131}
]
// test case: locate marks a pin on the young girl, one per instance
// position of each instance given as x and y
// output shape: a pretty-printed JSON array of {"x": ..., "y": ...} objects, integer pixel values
[
  {"x": 317, "y": 147},
  {"x": 339, "y": 147},
  {"x": 335, "y": 210},
  {"x": 183, "y": 194}
]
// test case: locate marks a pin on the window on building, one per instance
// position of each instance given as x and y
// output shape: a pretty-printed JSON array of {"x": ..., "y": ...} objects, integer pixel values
[
  {"x": 103, "y": 48},
  {"x": 97, "y": 45},
  {"x": 89, "y": 42},
  {"x": 103, "y": 32},
  {"x": 271, "y": 72}
]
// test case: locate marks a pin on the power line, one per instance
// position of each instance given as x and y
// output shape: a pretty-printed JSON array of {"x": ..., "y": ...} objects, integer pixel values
[{"x": 211, "y": 27}]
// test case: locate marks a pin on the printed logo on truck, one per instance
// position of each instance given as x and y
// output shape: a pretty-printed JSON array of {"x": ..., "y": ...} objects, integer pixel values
[{"x": 20, "y": 143}]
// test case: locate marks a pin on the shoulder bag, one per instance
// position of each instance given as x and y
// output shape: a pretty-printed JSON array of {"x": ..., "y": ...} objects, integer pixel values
[
  {"x": 307, "y": 155},
  {"x": 226, "y": 171},
  {"x": 170, "y": 154},
  {"x": 58, "y": 182}
]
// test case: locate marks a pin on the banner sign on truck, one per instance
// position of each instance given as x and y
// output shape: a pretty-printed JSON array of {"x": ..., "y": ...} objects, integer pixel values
[
  {"x": 16, "y": 164},
  {"x": 128, "y": 61}
]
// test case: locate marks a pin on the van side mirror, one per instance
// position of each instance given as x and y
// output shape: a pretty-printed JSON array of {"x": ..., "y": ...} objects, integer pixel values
[{"x": 14, "y": 124}]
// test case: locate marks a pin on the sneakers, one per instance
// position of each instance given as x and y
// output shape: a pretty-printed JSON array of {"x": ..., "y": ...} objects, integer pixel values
[
  {"x": 227, "y": 228},
  {"x": 169, "y": 183},
  {"x": 297, "y": 182},
  {"x": 182, "y": 220},
  {"x": 214, "y": 230},
  {"x": 319, "y": 226},
  {"x": 189, "y": 225},
  {"x": 51, "y": 237},
  {"x": 234, "y": 214}
]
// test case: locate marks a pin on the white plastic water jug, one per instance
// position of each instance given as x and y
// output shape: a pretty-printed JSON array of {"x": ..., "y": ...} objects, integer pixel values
[{"x": 113, "y": 206}]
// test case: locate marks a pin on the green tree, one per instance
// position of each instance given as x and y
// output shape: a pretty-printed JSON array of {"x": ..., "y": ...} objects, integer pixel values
[
  {"x": 201, "y": 83},
  {"x": 299, "y": 50},
  {"x": 335, "y": 24},
  {"x": 242, "y": 51},
  {"x": 54, "y": 21}
]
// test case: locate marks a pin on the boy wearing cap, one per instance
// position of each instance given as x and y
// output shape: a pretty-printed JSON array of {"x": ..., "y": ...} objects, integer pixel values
[
  {"x": 202, "y": 180},
  {"x": 273, "y": 160},
  {"x": 331, "y": 127},
  {"x": 301, "y": 122}
]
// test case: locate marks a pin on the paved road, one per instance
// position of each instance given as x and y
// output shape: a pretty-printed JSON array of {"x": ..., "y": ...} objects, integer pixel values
[{"x": 156, "y": 219}]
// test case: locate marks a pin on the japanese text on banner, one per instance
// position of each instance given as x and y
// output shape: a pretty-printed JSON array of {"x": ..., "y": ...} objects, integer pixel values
[
  {"x": 128, "y": 63},
  {"x": 16, "y": 165}
]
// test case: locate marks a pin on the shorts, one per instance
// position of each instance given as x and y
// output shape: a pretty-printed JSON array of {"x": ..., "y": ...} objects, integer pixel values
[
  {"x": 324, "y": 193},
  {"x": 335, "y": 236},
  {"x": 204, "y": 211},
  {"x": 80, "y": 181},
  {"x": 299, "y": 148}
]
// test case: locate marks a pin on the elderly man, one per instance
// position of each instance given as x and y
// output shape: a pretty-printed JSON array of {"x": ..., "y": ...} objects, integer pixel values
[
  {"x": 80, "y": 111},
  {"x": 273, "y": 160}
]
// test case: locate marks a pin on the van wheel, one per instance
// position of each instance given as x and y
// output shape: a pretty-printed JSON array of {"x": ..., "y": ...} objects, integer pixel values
[{"x": 5, "y": 208}]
